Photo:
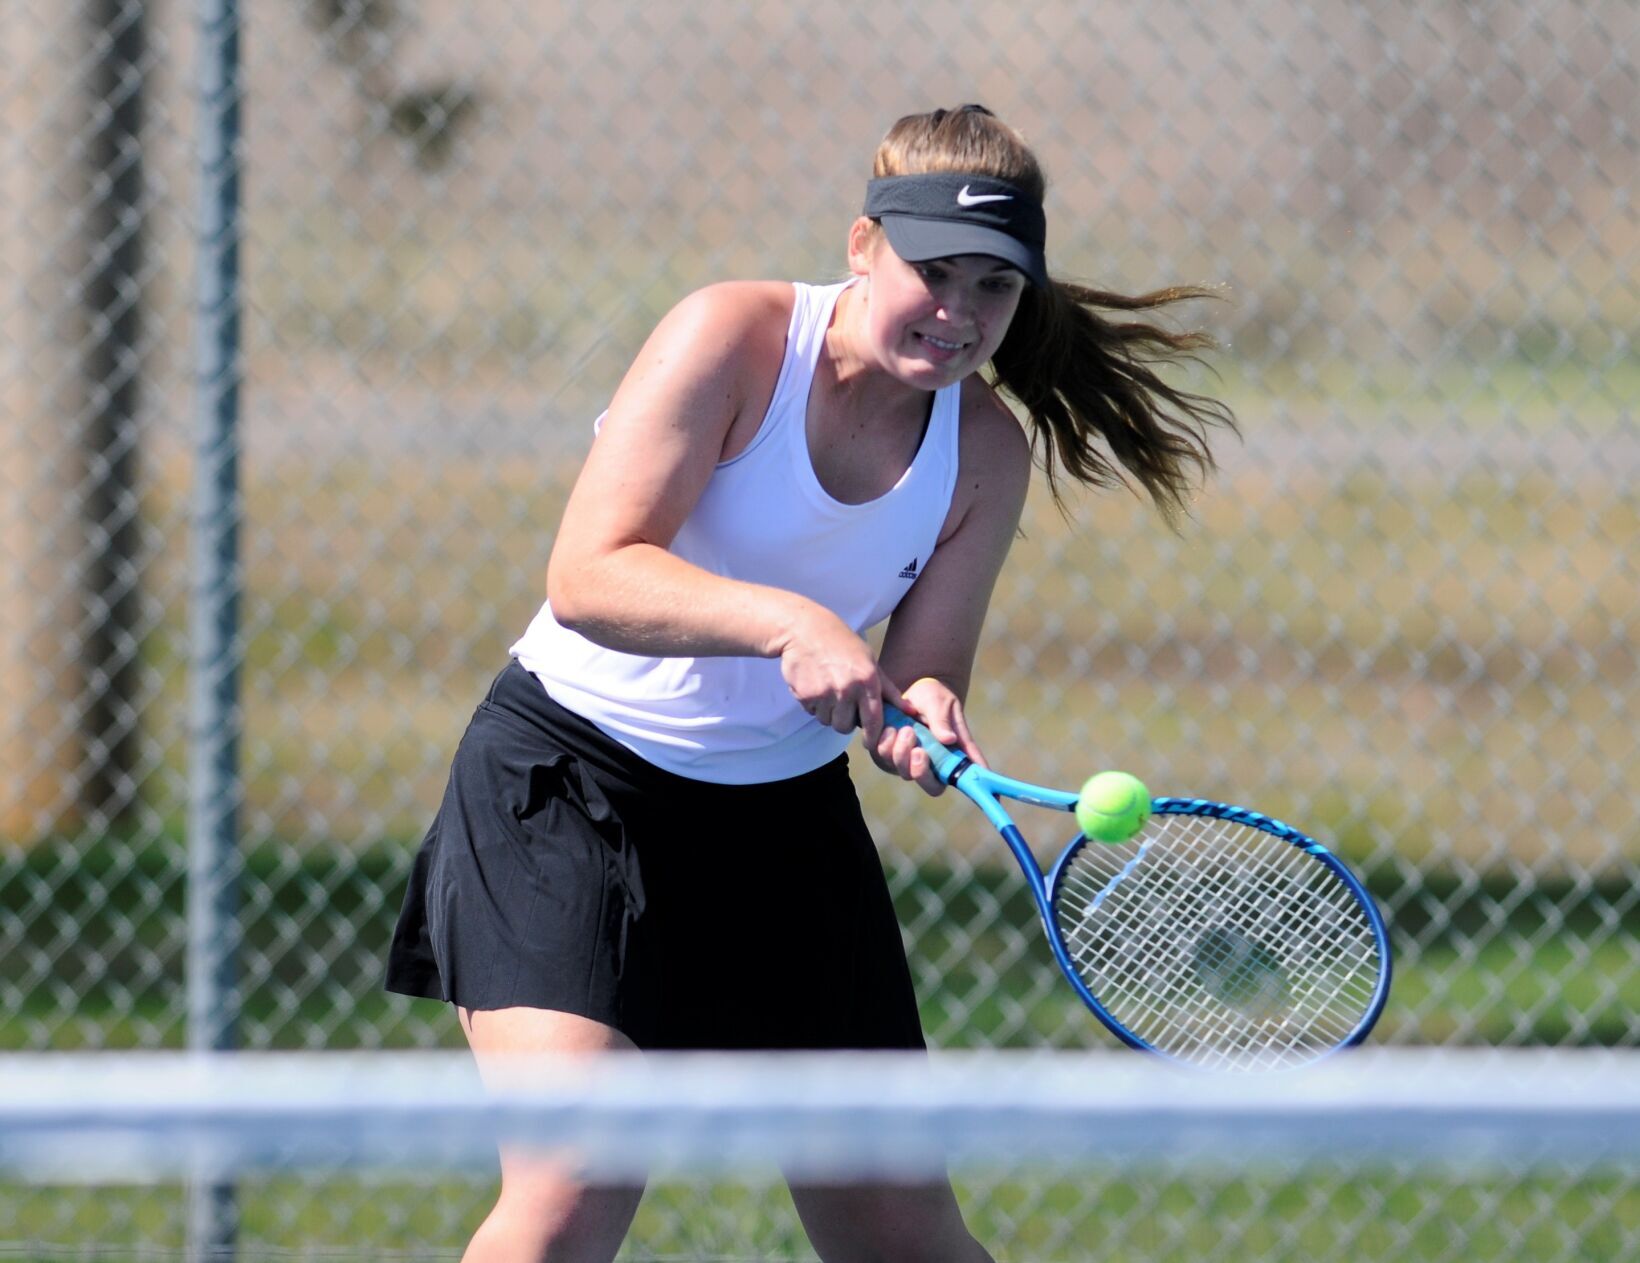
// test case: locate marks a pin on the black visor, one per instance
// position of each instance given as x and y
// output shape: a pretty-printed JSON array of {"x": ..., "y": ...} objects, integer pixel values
[{"x": 947, "y": 213}]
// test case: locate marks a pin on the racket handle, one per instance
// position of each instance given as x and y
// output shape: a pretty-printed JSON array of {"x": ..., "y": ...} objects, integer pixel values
[
  {"x": 894, "y": 717},
  {"x": 947, "y": 762}
]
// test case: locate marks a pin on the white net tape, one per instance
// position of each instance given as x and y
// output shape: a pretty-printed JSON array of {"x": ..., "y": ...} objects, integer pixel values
[{"x": 118, "y": 1117}]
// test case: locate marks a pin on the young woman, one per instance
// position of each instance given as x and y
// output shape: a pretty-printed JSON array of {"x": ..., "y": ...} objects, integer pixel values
[{"x": 783, "y": 467}]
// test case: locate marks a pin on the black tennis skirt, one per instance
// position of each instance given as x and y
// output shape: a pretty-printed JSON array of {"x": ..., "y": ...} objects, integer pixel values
[{"x": 564, "y": 872}]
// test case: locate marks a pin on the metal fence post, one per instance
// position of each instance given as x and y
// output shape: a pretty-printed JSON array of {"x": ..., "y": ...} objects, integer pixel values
[{"x": 214, "y": 711}]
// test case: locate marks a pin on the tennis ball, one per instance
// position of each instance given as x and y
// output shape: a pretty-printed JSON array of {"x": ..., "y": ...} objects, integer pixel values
[{"x": 1112, "y": 806}]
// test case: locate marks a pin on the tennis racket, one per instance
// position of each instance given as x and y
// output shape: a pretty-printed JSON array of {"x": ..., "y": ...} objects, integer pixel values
[{"x": 1216, "y": 936}]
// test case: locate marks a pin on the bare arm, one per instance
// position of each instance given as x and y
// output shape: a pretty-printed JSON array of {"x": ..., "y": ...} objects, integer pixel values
[
  {"x": 706, "y": 367},
  {"x": 610, "y": 576},
  {"x": 933, "y": 636}
]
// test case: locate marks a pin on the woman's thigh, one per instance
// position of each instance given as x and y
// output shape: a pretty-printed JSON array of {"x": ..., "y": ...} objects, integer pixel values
[
  {"x": 890, "y": 1223},
  {"x": 546, "y": 1210}
]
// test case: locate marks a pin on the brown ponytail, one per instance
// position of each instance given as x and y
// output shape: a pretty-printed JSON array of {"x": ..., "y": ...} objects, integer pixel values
[{"x": 1079, "y": 376}]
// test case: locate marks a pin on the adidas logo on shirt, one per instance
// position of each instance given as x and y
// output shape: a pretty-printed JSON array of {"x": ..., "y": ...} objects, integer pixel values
[{"x": 910, "y": 570}]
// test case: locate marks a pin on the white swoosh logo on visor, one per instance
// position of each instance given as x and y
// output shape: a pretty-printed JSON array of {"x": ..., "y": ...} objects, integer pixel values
[{"x": 965, "y": 198}]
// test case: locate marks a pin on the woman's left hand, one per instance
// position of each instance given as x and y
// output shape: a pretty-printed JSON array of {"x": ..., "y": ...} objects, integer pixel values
[{"x": 940, "y": 711}]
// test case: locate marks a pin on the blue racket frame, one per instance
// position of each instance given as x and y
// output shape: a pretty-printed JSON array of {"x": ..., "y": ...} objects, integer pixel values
[{"x": 986, "y": 788}]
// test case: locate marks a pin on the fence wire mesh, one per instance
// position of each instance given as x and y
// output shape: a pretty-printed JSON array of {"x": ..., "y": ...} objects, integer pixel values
[{"x": 1404, "y": 614}]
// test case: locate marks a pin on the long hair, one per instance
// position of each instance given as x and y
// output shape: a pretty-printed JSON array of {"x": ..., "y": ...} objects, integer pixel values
[{"x": 1081, "y": 376}]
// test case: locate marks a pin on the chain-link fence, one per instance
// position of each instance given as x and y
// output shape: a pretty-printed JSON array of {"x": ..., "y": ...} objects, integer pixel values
[{"x": 1404, "y": 615}]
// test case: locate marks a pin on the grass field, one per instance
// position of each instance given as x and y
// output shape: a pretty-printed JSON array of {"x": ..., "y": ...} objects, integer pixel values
[
  {"x": 116, "y": 982},
  {"x": 1330, "y": 1210},
  {"x": 1496, "y": 961}
]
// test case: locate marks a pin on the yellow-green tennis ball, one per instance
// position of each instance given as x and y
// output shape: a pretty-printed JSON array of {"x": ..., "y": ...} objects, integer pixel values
[{"x": 1112, "y": 807}]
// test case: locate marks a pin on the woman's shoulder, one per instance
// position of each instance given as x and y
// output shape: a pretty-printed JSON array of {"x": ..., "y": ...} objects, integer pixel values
[
  {"x": 990, "y": 434},
  {"x": 736, "y": 312},
  {"x": 993, "y": 465},
  {"x": 733, "y": 335},
  {"x": 733, "y": 332}
]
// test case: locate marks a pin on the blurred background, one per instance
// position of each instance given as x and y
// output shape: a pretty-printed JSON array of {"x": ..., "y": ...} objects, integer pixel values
[{"x": 299, "y": 364}]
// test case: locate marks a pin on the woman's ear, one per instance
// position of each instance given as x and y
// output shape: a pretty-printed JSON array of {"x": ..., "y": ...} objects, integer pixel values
[{"x": 864, "y": 236}]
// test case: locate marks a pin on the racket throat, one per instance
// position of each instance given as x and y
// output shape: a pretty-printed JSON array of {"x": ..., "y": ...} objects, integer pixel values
[{"x": 1033, "y": 872}]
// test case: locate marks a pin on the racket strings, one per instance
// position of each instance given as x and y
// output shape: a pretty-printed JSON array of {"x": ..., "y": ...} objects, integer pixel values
[
  {"x": 1169, "y": 1000},
  {"x": 1219, "y": 943}
]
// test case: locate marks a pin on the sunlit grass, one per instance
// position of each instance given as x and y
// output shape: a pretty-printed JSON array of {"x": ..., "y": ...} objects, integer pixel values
[{"x": 1161, "y": 1212}]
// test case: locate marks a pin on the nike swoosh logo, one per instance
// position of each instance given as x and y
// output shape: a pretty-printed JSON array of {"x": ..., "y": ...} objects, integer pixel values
[{"x": 965, "y": 198}]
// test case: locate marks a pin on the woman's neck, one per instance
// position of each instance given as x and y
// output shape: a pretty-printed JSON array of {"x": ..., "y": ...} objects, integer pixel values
[{"x": 851, "y": 377}]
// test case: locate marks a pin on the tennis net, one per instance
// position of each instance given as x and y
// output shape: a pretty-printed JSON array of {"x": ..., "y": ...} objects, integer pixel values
[{"x": 1405, "y": 1154}]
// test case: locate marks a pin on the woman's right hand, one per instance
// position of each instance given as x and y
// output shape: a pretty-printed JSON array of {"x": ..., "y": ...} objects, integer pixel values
[{"x": 833, "y": 674}]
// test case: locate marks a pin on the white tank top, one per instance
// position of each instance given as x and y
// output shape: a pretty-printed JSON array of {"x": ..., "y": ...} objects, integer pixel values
[{"x": 763, "y": 518}]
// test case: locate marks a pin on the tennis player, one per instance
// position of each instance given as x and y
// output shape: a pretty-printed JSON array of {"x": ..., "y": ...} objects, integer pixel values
[{"x": 649, "y": 838}]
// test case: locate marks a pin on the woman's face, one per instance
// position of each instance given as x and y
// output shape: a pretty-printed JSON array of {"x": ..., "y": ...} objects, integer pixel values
[{"x": 930, "y": 324}]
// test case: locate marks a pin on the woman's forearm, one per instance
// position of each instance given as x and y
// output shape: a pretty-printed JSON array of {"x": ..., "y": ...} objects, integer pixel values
[{"x": 643, "y": 599}]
